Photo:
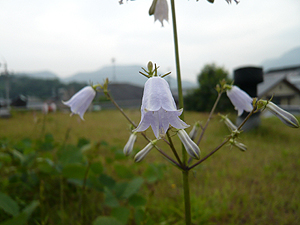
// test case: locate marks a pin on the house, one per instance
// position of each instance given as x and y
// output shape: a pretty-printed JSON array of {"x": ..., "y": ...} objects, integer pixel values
[
  {"x": 283, "y": 86},
  {"x": 126, "y": 96}
]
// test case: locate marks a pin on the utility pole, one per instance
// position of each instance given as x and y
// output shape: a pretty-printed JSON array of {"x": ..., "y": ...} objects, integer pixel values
[
  {"x": 113, "y": 60},
  {"x": 5, "y": 112}
]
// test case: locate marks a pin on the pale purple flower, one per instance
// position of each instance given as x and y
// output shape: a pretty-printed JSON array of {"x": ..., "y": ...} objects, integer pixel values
[
  {"x": 190, "y": 146},
  {"x": 158, "y": 108},
  {"x": 160, "y": 10},
  {"x": 80, "y": 102},
  {"x": 129, "y": 145},
  {"x": 240, "y": 99}
]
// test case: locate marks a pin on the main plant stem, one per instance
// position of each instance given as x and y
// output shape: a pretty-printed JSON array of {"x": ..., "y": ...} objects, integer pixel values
[{"x": 185, "y": 172}]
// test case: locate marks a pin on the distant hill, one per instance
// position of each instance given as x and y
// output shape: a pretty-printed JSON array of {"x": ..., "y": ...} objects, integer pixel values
[
  {"x": 122, "y": 74},
  {"x": 119, "y": 74},
  {"x": 290, "y": 58}
]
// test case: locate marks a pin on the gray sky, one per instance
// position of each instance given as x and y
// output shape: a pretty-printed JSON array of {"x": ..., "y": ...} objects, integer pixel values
[{"x": 68, "y": 36}]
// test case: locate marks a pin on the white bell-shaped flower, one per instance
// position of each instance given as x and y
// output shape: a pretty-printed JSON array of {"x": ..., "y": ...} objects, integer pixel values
[
  {"x": 160, "y": 10},
  {"x": 240, "y": 99},
  {"x": 158, "y": 108},
  {"x": 80, "y": 102}
]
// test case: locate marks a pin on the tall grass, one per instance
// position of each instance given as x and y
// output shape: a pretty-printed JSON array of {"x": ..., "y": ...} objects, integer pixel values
[{"x": 259, "y": 186}]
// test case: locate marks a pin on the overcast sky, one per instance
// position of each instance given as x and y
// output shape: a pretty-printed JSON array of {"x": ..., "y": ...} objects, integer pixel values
[{"x": 68, "y": 36}]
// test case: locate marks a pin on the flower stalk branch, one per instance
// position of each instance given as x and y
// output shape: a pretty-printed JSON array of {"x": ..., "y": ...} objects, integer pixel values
[{"x": 209, "y": 117}]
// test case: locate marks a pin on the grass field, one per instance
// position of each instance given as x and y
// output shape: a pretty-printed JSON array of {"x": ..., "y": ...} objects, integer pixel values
[{"x": 259, "y": 186}]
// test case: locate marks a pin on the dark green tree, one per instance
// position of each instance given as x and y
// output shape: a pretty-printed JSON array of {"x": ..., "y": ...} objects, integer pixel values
[{"x": 203, "y": 98}]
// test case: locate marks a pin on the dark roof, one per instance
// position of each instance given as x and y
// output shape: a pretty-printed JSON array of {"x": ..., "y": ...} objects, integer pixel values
[
  {"x": 284, "y": 69},
  {"x": 123, "y": 91},
  {"x": 271, "y": 82}
]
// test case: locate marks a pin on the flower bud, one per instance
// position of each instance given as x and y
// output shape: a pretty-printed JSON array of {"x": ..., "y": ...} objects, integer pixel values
[
  {"x": 228, "y": 123},
  {"x": 194, "y": 131},
  {"x": 129, "y": 145},
  {"x": 190, "y": 146},
  {"x": 287, "y": 118},
  {"x": 239, "y": 145},
  {"x": 142, "y": 154}
]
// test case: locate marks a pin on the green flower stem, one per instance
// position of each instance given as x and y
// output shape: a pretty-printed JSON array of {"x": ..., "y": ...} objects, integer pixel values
[
  {"x": 187, "y": 199},
  {"x": 209, "y": 117},
  {"x": 179, "y": 86},
  {"x": 173, "y": 148},
  {"x": 185, "y": 173}
]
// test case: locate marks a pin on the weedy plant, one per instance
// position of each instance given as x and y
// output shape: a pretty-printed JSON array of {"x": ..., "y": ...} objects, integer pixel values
[{"x": 159, "y": 111}]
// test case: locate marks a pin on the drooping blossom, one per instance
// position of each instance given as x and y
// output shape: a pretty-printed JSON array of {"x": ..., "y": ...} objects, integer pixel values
[
  {"x": 286, "y": 117},
  {"x": 80, "y": 102},
  {"x": 240, "y": 99},
  {"x": 129, "y": 145},
  {"x": 190, "y": 146},
  {"x": 142, "y": 154},
  {"x": 160, "y": 10},
  {"x": 158, "y": 108}
]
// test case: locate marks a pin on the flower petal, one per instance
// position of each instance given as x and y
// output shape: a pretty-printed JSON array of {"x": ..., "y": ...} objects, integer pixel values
[
  {"x": 80, "y": 102},
  {"x": 157, "y": 94},
  {"x": 240, "y": 99}
]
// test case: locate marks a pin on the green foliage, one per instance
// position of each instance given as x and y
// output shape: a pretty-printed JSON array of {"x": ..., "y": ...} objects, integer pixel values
[
  {"x": 42, "y": 88},
  {"x": 53, "y": 174},
  {"x": 204, "y": 97}
]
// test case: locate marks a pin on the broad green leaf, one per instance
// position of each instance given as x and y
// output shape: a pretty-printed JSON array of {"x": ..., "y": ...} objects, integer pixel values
[
  {"x": 123, "y": 172},
  {"x": 23, "y": 216},
  {"x": 5, "y": 157},
  {"x": 8, "y": 204},
  {"x": 154, "y": 172},
  {"x": 45, "y": 165},
  {"x": 137, "y": 200},
  {"x": 110, "y": 199},
  {"x": 70, "y": 154},
  {"x": 121, "y": 214},
  {"x": 119, "y": 189},
  {"x": 97, "y": 167},
  {"x": 107, "y": 181},
  {"x": 133, "y": 187},
  {"x": 139, "y": 216},
  {"x": 105, "y": 220},
  {"x": 119, "y": 154},
  {"x": 74, "y": 170}
]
